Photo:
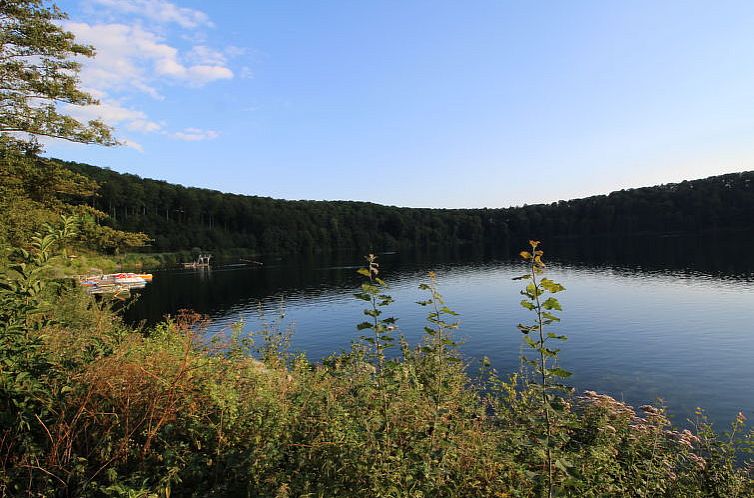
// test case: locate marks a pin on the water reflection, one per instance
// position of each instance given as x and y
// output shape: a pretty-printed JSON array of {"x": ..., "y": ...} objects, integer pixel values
[{"x": 646, "y": 318}]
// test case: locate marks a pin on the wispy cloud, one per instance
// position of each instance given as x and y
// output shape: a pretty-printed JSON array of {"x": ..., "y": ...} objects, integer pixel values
[
  {"x": 246, "y": 73},
  {"x": 114, "y": 113},
  {"x": 139, "y": 56},
  {"x": 159, "y": 11},
  {"x": 133, "y": 60},
  {"x": 134, "y": 145},
  {"x": 194, "y": 135},
  {"x": 202, "y": 54},
  {"x": 131, "y": 57}
]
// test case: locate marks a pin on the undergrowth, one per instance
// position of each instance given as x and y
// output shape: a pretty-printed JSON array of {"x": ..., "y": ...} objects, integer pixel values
[{"x": 90, "y": 407}]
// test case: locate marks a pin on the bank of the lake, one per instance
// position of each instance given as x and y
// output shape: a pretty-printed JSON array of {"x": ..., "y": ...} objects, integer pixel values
[{"x": 667, "y": 318}]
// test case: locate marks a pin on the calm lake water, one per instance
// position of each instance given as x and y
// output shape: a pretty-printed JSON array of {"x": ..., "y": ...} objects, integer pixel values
[{"x": 669, "y": 318}]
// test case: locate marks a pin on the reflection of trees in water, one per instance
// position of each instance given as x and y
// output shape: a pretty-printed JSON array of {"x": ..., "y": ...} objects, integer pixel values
[
  {"x": 225, "y": 289},
  {"x": 709, "y": 255}
]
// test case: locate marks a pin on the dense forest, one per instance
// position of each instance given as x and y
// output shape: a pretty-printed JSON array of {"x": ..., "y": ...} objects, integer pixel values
[
  {"x": 35, "y": 192},
  {"x": 179, "y": 218}
]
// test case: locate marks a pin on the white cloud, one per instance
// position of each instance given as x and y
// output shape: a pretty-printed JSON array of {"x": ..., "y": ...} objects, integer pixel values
[
  {"x": 195, "y": 135},
  {"x": 113, "y": 113},
  {"x": 246, "y": 73},
  {"x": 132, "y": 144},
  {"x": 158, "y": 10},
  {"x": 134, "y": 57},
  {"x": 144, "y": 126},
  {"x": 202, "y": 54},
  {"x": 130, "y": 57},
  {"x": 235, "y": 51},
  {"x": 198, "y": 75}
]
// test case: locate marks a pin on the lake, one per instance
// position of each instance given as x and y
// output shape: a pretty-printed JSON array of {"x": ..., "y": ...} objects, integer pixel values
[{"x": 669, "y": 318}]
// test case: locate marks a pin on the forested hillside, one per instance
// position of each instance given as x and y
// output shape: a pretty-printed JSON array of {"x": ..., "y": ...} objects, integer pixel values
[
  {"x": 178, "y": 217},
  {"x": 35, "y": 192}
]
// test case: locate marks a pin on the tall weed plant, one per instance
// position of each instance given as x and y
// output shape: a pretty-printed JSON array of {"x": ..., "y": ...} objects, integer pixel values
[{"x": 92, "y": 408}]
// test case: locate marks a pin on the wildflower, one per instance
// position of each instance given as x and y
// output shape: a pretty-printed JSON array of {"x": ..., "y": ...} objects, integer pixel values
[
  {"x": 650, "y": 410},
  {"x": 687, "y": 438},
  {"x": 699, "y": 461}
]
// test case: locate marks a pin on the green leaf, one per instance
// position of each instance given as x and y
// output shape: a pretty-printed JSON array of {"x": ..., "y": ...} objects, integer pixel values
[
  {"x": 364, "y": 272},
  {"x": 550, "y": 316},
  {"x": 449, "y": 311},
  {"x": 560, "y": 372},
  {"x": 561, "y": 464},
  {"x": 527, "y": 304},
  {"x": 551, "y": 286},
  {"x": 552, "y": 304}
]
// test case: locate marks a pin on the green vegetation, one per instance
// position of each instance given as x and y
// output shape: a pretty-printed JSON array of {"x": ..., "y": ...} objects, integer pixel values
[
  {"x": 178, "y": 218},
  {"x": 90, "y": 407},
  {"x": 552, "y": 404},
  {"x": 35, "y": 191},
  {"x": 38, "y": 73}
]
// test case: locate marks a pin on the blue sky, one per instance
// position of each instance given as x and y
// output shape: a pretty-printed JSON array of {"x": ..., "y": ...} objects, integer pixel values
[{"x": 420, "y": 103}]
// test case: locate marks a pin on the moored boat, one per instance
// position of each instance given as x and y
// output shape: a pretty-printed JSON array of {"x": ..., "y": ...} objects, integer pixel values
[{"x": 114, "y": 283}]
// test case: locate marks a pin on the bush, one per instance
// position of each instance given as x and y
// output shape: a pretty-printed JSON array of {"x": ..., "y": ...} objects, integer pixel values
[{"x": 93, "y": 408}]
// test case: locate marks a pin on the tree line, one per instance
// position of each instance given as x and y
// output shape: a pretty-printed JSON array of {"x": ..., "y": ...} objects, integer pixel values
[
  {"x": 90, "y": 407},
  {"x": 179, "y": 218}
]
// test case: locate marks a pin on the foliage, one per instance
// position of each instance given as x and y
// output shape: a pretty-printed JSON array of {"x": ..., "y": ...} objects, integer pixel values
[
  {"x": 372, "y": 292},
  {"x": 92, "y": 408},
  {"x": 25, "y": 397},
  {"x": 39, "y": 74},
  {"x": 551, "y": 404},
  {"x": 35, "y": 191},
  {"x": 178, "y": 217}
]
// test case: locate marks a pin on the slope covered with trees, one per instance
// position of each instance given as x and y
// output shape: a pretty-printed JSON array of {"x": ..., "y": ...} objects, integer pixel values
[
  {"x": 39, "y": 82},
  {"x": 90, "y": 407},
  {"x": 178, "y": 217}
]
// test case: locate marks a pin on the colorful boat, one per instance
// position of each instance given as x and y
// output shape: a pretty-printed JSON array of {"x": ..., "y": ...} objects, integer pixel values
[{"x": 114, "y": 283}]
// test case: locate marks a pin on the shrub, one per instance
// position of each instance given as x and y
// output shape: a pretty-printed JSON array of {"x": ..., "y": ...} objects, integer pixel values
[{"x": 93, "y": 408}]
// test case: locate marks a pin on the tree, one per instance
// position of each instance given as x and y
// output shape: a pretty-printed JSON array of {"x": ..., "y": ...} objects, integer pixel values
[{"x": 39, "y": 75}]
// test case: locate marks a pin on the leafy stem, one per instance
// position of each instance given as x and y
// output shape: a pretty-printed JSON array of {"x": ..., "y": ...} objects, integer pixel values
[{"x": 544, "y": 316}]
